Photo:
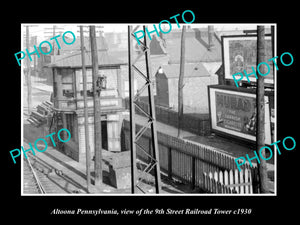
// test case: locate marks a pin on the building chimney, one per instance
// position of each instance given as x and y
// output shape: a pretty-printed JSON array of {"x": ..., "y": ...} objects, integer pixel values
[{"x": 210, "y": 34}]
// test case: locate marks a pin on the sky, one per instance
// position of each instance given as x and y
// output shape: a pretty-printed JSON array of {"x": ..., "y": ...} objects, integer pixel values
[
  {"x": 39, "y": 29},
  {"x": 42, "y": 30}
]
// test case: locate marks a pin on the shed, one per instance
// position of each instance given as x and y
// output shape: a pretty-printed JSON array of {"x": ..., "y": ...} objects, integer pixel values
[{"x": 196, "y": 80}]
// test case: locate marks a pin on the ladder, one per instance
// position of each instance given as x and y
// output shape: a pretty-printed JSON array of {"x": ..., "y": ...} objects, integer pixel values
[
  {"x": 153, "y": 164},
  {"x": 55, "y": 125}
]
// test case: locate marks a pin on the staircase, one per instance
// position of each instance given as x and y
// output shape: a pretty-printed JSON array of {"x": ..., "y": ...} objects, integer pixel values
[{"x": 41, "y": 113}]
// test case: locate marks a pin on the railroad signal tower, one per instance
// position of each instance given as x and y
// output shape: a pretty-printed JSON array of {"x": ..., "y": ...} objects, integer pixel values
[{"x": 135, "y": 135}]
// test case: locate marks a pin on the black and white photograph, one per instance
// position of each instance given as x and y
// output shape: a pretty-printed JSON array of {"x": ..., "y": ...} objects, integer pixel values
[
  {"x": 169, "y": 115},
  {"x": 105, "y": 115}
]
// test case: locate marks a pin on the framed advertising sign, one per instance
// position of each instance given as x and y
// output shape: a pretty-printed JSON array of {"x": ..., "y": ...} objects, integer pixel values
[
  {"x": 240, "y": 53},
  {"x": 233, "y": 112}
]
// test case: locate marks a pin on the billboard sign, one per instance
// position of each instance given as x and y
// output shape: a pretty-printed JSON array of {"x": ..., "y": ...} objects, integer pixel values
[
  {"x": 240, "y": 55},
  {"x": 234, "y": 113}
]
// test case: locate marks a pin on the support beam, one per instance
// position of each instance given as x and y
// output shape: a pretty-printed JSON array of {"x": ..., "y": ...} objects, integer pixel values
[
  {"x": 132, "y": 114},
  {"x": 97, "y": 110},
  {"x": 180, "y": 82},
  {"x": 152, "y": 151},
  {"x": 86, "y": 123},
  {"x": 260, "y": 104},
  {"x": 153, "y": 118},
  {"x": 28, "y": 72}
]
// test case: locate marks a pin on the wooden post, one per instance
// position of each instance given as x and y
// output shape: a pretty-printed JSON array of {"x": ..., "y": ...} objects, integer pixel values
[
  {"x": 59, "y": 91},
  {"x": 120, "y": 84},
  {"x": 53, "y": 43},
  {"x": 97, "y": 110},
  {"x": 153, "y": 116},
  {"x": 260, "y": 104},
  {"x": 193, "y": 172},
  {"x": 35, "y": 64},
  {"x": 170, "y": 163},
  {"x": 64, "y": 120},
  {"x": 29, "y": 103},
  {"x": 180, "y": 81},
  {"x": 86, "y": 123}
]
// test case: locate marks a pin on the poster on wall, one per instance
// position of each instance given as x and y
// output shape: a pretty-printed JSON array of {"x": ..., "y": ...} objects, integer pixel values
[
  {"x": 234, "y": 113},
  {"x": 239, "y": 55}
]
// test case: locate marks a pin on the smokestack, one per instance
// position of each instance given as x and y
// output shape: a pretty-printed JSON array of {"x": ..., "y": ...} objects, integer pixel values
[{"x": 210, "y": 31}]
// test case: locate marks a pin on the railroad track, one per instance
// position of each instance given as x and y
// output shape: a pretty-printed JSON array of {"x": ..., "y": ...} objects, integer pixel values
[
  {"x": 31, "y": 181},
  {"x": 42, "y": 178}
]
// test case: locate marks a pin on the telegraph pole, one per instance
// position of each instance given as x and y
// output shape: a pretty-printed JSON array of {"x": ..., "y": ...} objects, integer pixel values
[
  {"x": 97, "y": 31},
  {"x": 35, "y": 58},
  {"x": 53, "y": 32},
  {"x": 180, "y": 81},
  {"x": 97, "y": 111},
  {"x": 86, "y": 125},
  {"x": 260, "y": 103},
  {"x": 53, "y": 44},
  {"x": 29, "y": 103}
]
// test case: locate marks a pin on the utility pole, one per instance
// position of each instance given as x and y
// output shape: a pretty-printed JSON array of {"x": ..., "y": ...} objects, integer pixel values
[
  {"x": 28, "y": 70},
  {"x": 86, "y": 125},
  {"x": 97, "y": 110},
  {"x": 35, "y": 58},
  {"x": 86, "y": 31},
  {"x": 53, "y": 44},
  {"x": 260, "y": 104},
  {"x": 180, "y": 81},
  {"x": 99, "y": 31},
  {"x": 53, "y": 32}
]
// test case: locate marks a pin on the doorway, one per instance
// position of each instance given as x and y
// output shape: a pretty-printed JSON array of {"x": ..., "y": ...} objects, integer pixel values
[{"x": 104, "y": 135}]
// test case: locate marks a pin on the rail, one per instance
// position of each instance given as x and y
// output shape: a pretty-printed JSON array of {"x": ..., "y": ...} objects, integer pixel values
[{"x": 37, "y": 180}]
